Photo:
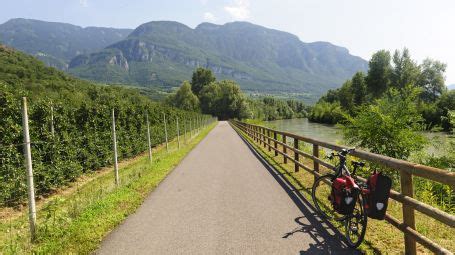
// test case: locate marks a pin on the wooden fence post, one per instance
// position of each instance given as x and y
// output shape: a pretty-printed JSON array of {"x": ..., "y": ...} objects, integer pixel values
[
  {"x": 178, "y": 133},
  {"x": 285, "y": 150},
  {"x": 264, "y": 139},
  {"x": 114, "y": 142},
  {"x": 316, "y": 155},
  {"x": 165, "y": 132},
  {"x": 148, "y": 138},
  {"x": 296, "y": 155},
  {"x": 268, "y": 140},
  {"x": 408, "y": 212},
  {"x": 275, "y": 143},
  {"x": 28, "y": 165},
  {"x": 259, "y": 135}
]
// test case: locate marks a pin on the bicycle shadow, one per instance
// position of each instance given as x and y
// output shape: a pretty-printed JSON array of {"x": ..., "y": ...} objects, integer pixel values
[
  {"x": 321, "y": 245},
  {"x": 327, "y": 238}
]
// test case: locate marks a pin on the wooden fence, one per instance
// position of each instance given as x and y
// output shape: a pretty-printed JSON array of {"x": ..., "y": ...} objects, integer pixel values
[{"x": 269, "y": 139}]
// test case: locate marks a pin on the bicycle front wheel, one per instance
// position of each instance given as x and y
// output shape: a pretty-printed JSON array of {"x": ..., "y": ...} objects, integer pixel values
[
  {"x": 356, "y": 224},
  {"x": 321, "y": 192}
]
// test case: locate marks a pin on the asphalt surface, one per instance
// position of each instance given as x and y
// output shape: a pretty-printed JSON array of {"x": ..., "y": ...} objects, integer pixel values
[{"x": 222, "y": 199}]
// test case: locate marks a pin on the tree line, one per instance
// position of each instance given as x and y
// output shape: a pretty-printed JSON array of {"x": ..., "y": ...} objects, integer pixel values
[
  {"x": 226, "y": 100},
  {"x": 386, "y": 72}
]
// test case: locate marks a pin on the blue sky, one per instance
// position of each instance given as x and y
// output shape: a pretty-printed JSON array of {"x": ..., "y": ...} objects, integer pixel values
[{"x": 427, "y": 28}]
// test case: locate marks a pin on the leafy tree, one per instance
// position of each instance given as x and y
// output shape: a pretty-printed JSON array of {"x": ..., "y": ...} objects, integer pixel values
[
  {"x": 225, "y": 100},
  {"x": 388, "y": 126},
  {"x": 451, "y": 119},
  {"x": 431, "y": 79},
  {"x": 184, "y": 98},
  {"x": 232, "y": 102},
  {"x": 445, "y": 104},
  {"x": 405, "y": 70},
  {"x": 345, "y": 96},
  {"x": 359, "y": 89},
  {"x": 326, "y": 112},
  {"x": 209, "y": 97},
  {"x": 378, "y": 77},
  {"x": 201, "y": 78}
]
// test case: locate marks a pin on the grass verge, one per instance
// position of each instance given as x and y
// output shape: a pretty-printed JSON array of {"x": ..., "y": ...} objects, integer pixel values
[
  {"x": 77, "y": 221},
  {"x": 381, "y": 237}
]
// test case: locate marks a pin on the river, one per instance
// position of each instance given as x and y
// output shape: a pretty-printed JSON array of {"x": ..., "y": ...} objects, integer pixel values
[{"x": 330, "y": 133}]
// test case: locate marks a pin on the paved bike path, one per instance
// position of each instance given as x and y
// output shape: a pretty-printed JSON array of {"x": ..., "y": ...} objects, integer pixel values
[{"x": 221, "y": 199}]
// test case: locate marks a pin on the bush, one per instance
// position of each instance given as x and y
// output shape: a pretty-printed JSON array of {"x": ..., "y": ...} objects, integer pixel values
[
  {"x": 324, "y": 112},
  {"x": 388, "y": 126}
]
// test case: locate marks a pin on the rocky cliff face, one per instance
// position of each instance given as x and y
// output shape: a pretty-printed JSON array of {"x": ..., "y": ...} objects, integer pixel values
[{"x": 258, "y": 58}]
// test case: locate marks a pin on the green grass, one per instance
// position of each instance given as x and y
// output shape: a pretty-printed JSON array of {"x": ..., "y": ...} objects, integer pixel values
[
  {"x": 77, "y": 220},
  {"x": 381, "y": 237}
]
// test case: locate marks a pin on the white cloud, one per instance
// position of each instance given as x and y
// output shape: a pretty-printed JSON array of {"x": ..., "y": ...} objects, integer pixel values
[
  {"x": 239, "y": 9},
  {"x": 83, "y": 3},
  {"x": 209, "y": 17}
]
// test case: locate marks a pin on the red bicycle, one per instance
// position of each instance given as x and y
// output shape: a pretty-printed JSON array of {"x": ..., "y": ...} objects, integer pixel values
[{"x": 341, "y": 198}]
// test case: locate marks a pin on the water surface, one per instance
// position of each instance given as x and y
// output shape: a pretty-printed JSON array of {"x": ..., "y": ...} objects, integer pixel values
[{"x": 439, "y": 141}]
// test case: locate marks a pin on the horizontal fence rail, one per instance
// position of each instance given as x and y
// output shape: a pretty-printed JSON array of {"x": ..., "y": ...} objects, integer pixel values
[{"x": 268, "y": 138}]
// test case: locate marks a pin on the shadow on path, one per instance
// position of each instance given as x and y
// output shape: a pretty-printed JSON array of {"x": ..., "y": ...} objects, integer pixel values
[{"x": 327, "y": 238}]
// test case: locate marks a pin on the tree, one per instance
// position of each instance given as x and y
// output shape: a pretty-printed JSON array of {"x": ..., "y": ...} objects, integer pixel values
[
  {"x": 378, "y": 77},
  {"x": 225, "y": 100},
  {"x": 388, "y": 126},
  {"x": 209, "y": 97},
  {"x": 358, "y": 87},
  {"x": 445, "y": 104},
  {"x": 232, "y": 101},
  {"x": 451, "y": 119},
  {"x": 184, "y": 98},
  {"x": 431, "y": 79},
  {"x": 346, "y": 96},
  {"x": 405, "y": 70},
  {"x": 201, "y": 78}
]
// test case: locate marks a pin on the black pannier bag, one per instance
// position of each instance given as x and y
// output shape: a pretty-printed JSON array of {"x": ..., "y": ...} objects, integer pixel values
[
  {"x": 378, "y": 197},
  {"x": 344, "y": 195}
]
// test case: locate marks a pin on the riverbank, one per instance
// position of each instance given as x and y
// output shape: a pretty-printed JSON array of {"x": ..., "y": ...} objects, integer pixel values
[{"x": 438, "y": 141}]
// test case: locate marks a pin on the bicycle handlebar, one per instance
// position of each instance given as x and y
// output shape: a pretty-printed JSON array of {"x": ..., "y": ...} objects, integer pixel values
[{"x": 342, "y": 154}]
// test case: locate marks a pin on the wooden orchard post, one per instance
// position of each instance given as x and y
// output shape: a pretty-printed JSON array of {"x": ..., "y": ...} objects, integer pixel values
[
  {"x": 165, "y": 132},
  {"x": 408, "y": 212},
  {"x": 52, "y": 121},
  {"x": 285, "y": 150},
  {"x": 316, "y": 155},
  {"x": 275, "y": 143},
  {"x": 114, "y": 144},
  {"x": 296, "y": 155},
  {"x": 28, "y": 165},
  {"x": 184, "y": 131},
  {"x": 178, "y": 133},
  {"x": 148, "y": 138}
]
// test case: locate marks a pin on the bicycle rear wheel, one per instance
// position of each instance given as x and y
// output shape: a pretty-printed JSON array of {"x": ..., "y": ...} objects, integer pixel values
[
  {"x": 356, "y": 224},
  {"x": 321, "y": 192}
]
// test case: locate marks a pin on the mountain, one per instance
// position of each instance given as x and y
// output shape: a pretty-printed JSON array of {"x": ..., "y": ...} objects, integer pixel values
[
  {"x": 450, "y": 87},
  {"x": 57, "y": 43},
  {"x": 163, "y": 53}
]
